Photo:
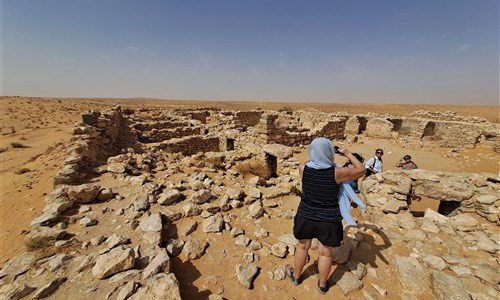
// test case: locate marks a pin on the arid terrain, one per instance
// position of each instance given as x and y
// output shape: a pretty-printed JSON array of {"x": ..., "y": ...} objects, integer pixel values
[{"x": 36, "y": 134}]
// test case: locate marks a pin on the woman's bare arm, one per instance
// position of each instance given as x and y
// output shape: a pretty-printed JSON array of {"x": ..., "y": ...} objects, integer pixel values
[
  {"x": 301, "y": 168},
  {"x": 348, "y": 174}
]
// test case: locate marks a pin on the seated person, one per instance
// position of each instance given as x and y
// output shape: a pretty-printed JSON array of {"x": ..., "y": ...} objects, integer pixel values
[{"x": 405, "y": 163}]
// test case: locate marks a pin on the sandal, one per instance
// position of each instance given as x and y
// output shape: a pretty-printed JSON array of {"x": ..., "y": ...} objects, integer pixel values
[
  {"x": 289, "y": 274},
  {"x": 322, "y": 290}
]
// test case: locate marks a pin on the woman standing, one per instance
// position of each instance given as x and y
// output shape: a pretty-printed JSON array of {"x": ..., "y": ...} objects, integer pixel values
[{"x": 318, "y": 215}]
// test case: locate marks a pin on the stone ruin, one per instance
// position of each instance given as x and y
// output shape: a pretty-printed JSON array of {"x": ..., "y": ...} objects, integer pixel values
[
  {"x": 212, "y": 130},
  {"x": 178, "y": 165}
]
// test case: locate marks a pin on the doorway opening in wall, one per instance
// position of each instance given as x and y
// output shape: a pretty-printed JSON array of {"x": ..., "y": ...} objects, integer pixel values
[
  {"x": 429, "y": 130},
  {"x": 271, "y": 164},
  {"x": 229, "y": 144},
  {"x": 398, "y": 123},
  {"x": 362, "y": 124},
  {"x": 448, "y": 208}
]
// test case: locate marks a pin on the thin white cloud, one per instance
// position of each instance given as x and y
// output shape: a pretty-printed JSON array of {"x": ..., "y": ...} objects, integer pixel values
[
  {"x": 462, "y": 48},
  {"x": 281, "y": 60},
  {"x": 150, "y": 52},
  {"x": 105, "y": 56},
  {"x": 133, "y": 49},
  {"x": 255, "y": 71},
  {"x": 64, "y": 59},
  {"x": 204, "y": 57}
]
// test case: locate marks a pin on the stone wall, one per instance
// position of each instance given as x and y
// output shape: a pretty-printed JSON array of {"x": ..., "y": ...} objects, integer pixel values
[
  {"x": 333, "y": 129},
  {"x": 156, "y": 136},
  {"x": 355, "y": 125},
  {"x": 417, "y": 128},
  {"x": 143, "y": 126},
  {"x": 191, "y": 145},
  {"x": 446, "y": 116},
  {"x": 200, "y": 116},
  {"x": 457, "y": 134},
  {"x": 391, "y": 191},
  {"x": 270, "y": 131},
  {"x": 379, "y": 128},
  {"x": 245, "y": 119},
  {"x": 96, "y": 138}
]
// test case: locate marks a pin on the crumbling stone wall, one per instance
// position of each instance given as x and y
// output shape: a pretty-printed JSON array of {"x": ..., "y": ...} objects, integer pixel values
[
  {"x": 355, "y": 125},
  {"x": 446, "y": 116},
  {"x": 270, "y": 131},
  {"x": 429, "y": 130},
  {"x": 245, "y": 119},
  {"x": 391, "y": 191},
  {"x": 416, "y": 128},
  {"x": 201, "y": 113},
  {"x": 334, "y": 129},
  {"x": 220, "y": 121},
  {"x": 352, "y": 126},
  {"x": 200, "y": 116},
  {"x": 94, "y": 139},
  {"x": 457, "y": 134},
  {"x": 148, "y": 126},
  {"x": 156, "y": 136},
  {"x": 396, "y": 122},
  {"x": 191, "y": 145},
  {"x": 379, "y": 128}
]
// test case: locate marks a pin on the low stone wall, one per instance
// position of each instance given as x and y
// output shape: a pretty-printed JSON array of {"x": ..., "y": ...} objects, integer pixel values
[
  {"x": 379, "y": 128},
  {"x": 417, "y": 128},
  {"x": 94, "y": 139},
  {"x": 159, "y": 125},
  {"x": 200, "y": 116},
  {"x": 245, "y": 119},
  {"x": 270, "y": 131},
  {"x": 334, "y": 129},
  {"x": 446, "y": 116},
  {"x": 191, "y": 145},
  {"x": 156, "y": 136},
  {"x": 391, "y": 192},
  {"x": 454, "y": 134}
]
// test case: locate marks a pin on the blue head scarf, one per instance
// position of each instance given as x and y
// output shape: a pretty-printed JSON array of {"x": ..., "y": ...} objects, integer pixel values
[{"x": 321, "y": 154}]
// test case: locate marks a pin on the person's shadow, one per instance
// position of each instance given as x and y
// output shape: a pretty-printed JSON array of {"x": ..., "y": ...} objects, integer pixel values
[
  {"x": 367, "y": 252},
  {"x": 187, "y": 273}
]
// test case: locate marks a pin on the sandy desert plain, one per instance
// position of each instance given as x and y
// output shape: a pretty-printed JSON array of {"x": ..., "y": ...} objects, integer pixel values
[{"x": 36, "y": 132}]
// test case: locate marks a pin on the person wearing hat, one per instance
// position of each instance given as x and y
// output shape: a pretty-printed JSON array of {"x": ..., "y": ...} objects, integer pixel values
[{"x": 406, "y": 163}]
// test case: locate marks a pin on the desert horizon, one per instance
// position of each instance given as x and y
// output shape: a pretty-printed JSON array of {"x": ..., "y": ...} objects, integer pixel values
[{"x": 489, "y": 112}]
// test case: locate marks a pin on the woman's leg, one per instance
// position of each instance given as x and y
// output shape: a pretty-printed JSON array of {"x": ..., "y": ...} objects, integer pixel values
[
  {"x": 324, "y": 263},
  {"x": 301, "y": 257}
]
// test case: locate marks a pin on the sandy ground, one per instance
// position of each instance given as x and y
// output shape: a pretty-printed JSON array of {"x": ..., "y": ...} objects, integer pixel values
[{"x": 43, "y": 127}]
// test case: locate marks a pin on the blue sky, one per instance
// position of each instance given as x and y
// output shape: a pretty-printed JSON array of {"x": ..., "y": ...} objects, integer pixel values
[{"x": 365, "y": 51}]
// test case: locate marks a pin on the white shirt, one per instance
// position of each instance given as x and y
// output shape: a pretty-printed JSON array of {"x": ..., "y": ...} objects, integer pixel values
[{"x": 378, "y": 164}]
